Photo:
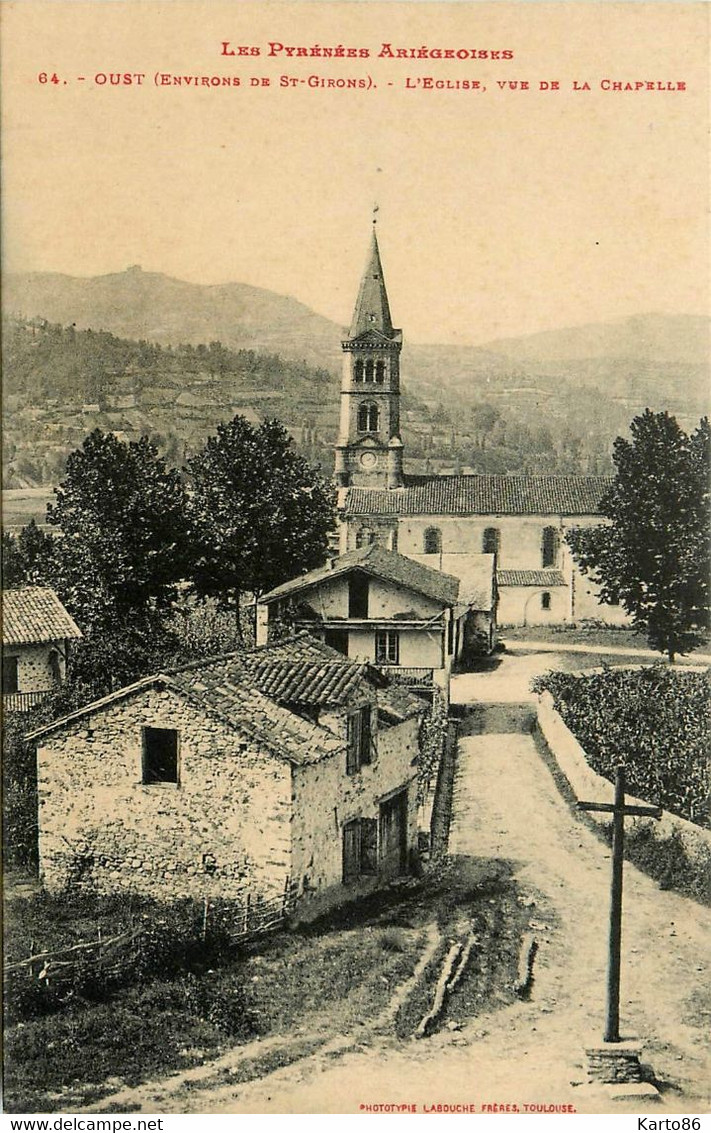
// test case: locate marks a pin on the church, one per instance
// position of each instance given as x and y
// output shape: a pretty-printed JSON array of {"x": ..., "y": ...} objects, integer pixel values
[{"x": 448, "y": 522}]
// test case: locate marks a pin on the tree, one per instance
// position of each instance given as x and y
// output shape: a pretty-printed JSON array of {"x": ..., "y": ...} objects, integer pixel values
[
  {"x": 260, "y": 513},
  {"x": 654, "y": 556},
  {"x": 28, "y": 559},
  {"x": 122, "y": 515}
]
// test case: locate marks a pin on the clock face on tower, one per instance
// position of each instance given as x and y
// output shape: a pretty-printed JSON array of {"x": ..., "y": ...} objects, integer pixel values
[{"x": 369, "y": 460}]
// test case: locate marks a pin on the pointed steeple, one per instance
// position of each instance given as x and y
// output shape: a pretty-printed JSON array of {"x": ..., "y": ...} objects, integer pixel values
[{"x": 372, "y": 310}]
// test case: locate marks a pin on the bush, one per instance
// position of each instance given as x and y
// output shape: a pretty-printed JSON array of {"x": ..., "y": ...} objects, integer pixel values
[
  {"x": 668, "y": 863},
  {"x": 162, "y": 942},
  {"x": 652, "y": 721}
]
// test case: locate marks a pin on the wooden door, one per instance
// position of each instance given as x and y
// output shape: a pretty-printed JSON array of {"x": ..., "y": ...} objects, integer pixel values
[
  {"x": 393, "y": 835},
  {"x": 351, "y": 851}
]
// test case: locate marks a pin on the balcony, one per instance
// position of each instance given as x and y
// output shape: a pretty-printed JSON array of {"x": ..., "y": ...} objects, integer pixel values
[
  {"x": 411, "y": 678},
  {"x": 22, "y": 701}
]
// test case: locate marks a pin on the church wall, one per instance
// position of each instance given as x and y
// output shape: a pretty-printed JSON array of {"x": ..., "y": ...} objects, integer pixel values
[
  {"x": 521, "y": 537},
  {"x": 587, "y": 605},
  {"x": 523, "y": 606}
]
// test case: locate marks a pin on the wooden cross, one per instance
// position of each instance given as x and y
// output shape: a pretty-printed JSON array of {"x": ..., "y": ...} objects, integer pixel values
[{"x": 619, "y": 810}]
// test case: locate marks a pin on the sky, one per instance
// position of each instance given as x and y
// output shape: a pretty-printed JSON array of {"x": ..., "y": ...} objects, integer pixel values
[{"x": 501, "y": 211}]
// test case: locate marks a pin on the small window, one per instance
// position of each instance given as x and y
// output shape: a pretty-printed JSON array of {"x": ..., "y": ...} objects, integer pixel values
[
  {"x": 359, "y": 739},
  {"x": 545, "y": 600},
  {"x": 550, "y": 547},
  {"x": 380, "y": 372},
  {"x": 368, "y": 417},
  {"x": 358, "y": 370},
  {"x": 337, "y": 639},
  {"x": 9, "y": 674},
  {"x": 387, "y": 647},
  {"x": 160, "y": 755},
  {"x": 364, "y": 537},
  {"x": 491, "y": 543},
  {"x": 433, "y": 541},
  {"x": 369, "y": 370}
]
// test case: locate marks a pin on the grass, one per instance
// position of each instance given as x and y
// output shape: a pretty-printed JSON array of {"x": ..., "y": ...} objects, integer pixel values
[
  {"x": 322, "y": 980},
  {"x": 591, "y": 633}
]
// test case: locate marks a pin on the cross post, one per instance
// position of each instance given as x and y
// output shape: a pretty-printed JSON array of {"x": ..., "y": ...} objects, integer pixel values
[{"x": 619, "y": 810}]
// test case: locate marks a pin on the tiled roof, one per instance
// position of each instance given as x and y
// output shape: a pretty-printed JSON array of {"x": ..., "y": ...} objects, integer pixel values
[
  {"x": 484, "y": 495},
  {"x": 248, "y": 691},
  {"x": 238, "y": 704},
  {"x": 530, "y": 578},
  {"x": 229, "y": 691},
  {"x": 33, "y": 615},
  {"x": 376, "y": 561},
  {"x": 396, "y": 702},
  {"x": 304, "y": 682}
]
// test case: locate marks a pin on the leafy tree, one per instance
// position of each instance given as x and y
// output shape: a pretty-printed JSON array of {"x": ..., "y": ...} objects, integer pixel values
[
  {"x": 122, "y": 516},
  {"x": 28, "y": 559},
  {"x": 260, "y": 513},
  {"x": 654, "y": 555}
]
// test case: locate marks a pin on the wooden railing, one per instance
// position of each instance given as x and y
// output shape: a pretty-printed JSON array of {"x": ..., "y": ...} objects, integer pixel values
[
  {"x": 22, "y": 701},
  {"x": 403, "y": 675}
]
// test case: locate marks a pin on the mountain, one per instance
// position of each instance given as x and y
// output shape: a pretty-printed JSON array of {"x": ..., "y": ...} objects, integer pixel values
[
  {"x": 137, "y": 304},
  {"x": 653, "y": 338},
  {"x": 548, "y": 402},
  {"x": 643, "y": 357}
]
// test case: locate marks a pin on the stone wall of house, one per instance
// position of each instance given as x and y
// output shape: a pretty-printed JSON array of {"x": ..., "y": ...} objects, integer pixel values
[
  {"x": 326, "y": 798},
  {"x": 224, "y": 828},
  {"x": 35, "y": 670}
]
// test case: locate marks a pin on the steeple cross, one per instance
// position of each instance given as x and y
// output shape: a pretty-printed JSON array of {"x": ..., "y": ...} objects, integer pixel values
[{"x": 619, "y": 811}]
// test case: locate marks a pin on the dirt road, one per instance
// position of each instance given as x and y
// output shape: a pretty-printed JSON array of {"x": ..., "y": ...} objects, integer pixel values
[{"x": 506, "y": 805}]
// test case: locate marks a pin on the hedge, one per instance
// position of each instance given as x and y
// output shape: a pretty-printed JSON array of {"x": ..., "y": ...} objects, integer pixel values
[{"x": 653, "y": 721}]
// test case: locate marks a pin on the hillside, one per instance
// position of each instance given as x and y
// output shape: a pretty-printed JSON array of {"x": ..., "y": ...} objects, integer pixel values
[{"x": 139, "y": 352}]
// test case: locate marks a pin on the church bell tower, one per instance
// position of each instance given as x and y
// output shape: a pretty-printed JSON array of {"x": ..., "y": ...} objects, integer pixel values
[{"x": 369, "y": 449}]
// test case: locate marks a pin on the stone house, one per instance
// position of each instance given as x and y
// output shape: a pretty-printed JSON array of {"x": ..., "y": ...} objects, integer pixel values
[
  {"x": 376, "y": 605},
  {"x": 36, "y": 636},
  {"x": 290, "y": 769}
]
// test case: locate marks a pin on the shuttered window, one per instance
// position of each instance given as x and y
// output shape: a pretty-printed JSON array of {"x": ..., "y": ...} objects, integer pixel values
[
  {"x": 360, "y": 848},
  {"x": 359, "y": 739}
]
